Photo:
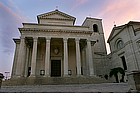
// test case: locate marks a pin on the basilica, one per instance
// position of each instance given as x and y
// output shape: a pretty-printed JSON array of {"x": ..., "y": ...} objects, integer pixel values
[{"x": 56, "y": 47}]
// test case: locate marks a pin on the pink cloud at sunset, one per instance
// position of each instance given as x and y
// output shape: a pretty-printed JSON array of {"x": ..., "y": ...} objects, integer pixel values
[
  {"x": 7, "y": 11},
  {"x": 119, "y": 12},
  {"x": 9, "y": 23}
]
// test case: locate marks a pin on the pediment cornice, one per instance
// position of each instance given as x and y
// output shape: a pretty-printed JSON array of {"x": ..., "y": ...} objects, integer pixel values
[
  {"x": 115, "y": 31},
  {"x": 61, "y": 16}
]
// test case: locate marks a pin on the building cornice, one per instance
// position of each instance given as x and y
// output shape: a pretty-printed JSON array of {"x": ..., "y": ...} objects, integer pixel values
[
  {"x": 73, "y": 26},
  {"x": 91, "y": 19},
  {"x": 16, "y": 40},
  {"x": 122, "y": 27},
  {"x": 136, "y": 30},
  {"x": 54, "y": 30},
  {"x": 113, "y": 30},
  {"x": 57, "y": 19}
]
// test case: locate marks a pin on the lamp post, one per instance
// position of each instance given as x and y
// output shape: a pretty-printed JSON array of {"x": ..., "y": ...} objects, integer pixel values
[{"x": 6, "y": 75}]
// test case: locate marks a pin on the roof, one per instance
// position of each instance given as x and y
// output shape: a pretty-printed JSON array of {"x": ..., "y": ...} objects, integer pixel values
[
  {"x": 91, "y": 19},
  {"x": 115, "y": 30},
  {"x": 118, "y": 29}
]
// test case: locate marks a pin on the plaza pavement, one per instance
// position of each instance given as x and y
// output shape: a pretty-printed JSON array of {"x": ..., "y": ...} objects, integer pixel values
[{"x": 73, "y": 88}]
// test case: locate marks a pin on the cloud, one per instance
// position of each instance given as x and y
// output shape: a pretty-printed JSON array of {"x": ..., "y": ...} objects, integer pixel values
[
  {"x": 10, "y": 21},
  {"x": 78, "y": 3},
  {"x": 81, "y": 1},
  {"x": 120, "y": 12}
]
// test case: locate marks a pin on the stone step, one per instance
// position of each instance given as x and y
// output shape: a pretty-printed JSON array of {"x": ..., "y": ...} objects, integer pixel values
[{"x": 54, "y": 81}]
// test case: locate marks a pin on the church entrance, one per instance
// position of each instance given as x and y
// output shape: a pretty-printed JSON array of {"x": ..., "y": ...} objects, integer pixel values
[{"x": 55, "y": 68}]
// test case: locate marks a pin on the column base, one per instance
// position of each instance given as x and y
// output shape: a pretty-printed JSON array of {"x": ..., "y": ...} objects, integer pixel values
[
  {"x": 32, "y": 76},
  {"x": 92, "y": 75},
  {"x": 66, "y": 75},
  {"x": 46, "y": 76},
  {"x": 79, "y": 75},
  {"x": 18, "y": 76}
]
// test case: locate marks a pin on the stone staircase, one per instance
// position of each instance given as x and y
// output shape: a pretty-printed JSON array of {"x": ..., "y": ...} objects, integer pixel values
[{"x": 54, "y": 81}]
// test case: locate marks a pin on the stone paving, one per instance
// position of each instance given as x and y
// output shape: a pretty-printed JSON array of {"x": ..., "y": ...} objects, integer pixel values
[{"x": 73, "y": 88}]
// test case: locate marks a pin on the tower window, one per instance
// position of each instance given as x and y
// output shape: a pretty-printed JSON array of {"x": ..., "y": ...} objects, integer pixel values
[{"x": 95, "y": 28}]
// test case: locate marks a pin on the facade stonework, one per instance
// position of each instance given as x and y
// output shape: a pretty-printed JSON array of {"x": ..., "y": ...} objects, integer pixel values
[
  {"x": 124, "y": 43},
  {"x": 55, "y": 47}
]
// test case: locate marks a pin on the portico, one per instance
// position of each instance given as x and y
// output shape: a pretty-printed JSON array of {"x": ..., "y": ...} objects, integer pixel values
[{"x": 39, "y": 54}]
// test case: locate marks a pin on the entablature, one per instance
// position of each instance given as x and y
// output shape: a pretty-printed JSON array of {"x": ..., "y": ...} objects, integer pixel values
[
  {"x": 57, "y": 32},
  {"x": 48, "y": 26}
]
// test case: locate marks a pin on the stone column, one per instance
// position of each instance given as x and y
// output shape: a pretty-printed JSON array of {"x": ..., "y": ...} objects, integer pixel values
[
  {"x": 15, "y": 58},
  {"x": 34, "y": 55},
  {"x": 21, "y": 58},
  {"x": 65, "y": 57},
  {"x": 87, "y": 59},
  {"x": 78, "y": 58},
  {"x": 26, "y": 61},
  {"x": 90, "y": 58},
  {"x": 84, "y": 61},
  {"x": 47, "y": 58}
]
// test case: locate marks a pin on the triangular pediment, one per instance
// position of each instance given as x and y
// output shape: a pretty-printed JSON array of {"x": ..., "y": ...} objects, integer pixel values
[
  {"x": 115, "y": 31},
  {"x": 56, "y": 15}
]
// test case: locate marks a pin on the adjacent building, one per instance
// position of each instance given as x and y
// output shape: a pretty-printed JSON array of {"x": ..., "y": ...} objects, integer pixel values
[
  {"x": 56, "y": 47},
  {"x": 124, "y": 43}
]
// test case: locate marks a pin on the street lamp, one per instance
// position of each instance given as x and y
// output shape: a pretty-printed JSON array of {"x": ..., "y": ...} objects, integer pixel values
[{"x": 6, "y": 75}]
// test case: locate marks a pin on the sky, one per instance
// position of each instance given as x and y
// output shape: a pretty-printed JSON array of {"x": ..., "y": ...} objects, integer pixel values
[{"x": 15, "y": 12}]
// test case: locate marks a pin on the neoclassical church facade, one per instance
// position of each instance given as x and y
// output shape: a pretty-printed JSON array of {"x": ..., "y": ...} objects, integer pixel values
[{"x": 56, "y": 47}]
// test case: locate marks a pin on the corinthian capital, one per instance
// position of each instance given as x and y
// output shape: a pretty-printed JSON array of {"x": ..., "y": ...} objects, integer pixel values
[
  {"x": 65, "y": 39},
  {"x": 35, "y": 38}
]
